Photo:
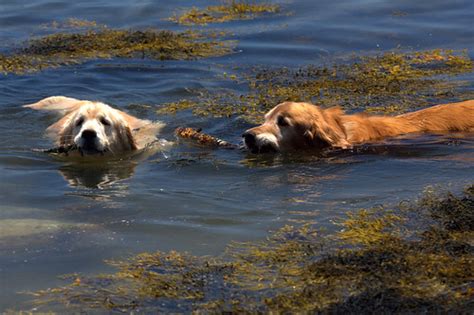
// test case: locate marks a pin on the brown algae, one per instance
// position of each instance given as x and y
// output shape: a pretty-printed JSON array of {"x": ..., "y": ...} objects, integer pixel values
[
  {"x": 416, "y": 258},
  {"x": 392, "y": 82},
  {"x": 229, "y": 11},
  {"x": 71, "y": 48}
]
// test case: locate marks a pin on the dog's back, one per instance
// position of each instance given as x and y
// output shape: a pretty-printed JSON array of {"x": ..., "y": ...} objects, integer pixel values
[
  {"x": 445, "y": 117},
  {"x": 440, "y": 118}
]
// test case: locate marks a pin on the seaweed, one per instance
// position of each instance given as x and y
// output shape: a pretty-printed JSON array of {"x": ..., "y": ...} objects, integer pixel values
[
  {"x": 229, "y": 11},
  {"x": 409, "y": 259},
  {"x": 392, "y": 82},
  {"x": 62, "y": 49}
]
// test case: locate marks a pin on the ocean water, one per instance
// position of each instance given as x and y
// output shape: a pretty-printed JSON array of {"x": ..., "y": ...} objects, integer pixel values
[{"x": 59, "y": 217}]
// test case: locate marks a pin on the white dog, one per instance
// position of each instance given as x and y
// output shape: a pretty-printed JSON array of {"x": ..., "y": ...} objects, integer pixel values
[{"x": 96, "y": 128}]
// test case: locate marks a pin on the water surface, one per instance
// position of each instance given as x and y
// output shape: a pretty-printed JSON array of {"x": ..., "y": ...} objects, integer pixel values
[{"x": 58, "y": 217}]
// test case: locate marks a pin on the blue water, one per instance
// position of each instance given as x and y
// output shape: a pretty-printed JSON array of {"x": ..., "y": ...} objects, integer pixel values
[{"x": 59, "y": 217}]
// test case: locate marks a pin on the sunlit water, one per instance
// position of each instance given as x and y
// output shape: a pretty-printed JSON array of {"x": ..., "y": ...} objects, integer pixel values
[{"x": 58, "y": 217}]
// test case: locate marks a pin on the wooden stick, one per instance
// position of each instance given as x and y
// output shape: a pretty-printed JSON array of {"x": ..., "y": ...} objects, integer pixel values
[
  {"x": 202, "y": 138},
  {"x": 183, "y": 132},
  {"x": 60, "y": 150}
]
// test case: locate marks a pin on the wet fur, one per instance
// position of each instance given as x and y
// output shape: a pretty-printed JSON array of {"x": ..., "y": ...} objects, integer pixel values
[
  {"x": 125, "y": 132},
  {"x": 309, "y": 126}
]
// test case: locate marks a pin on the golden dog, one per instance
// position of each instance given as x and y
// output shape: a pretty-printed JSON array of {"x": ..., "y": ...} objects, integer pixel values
[
  {"x": 96, "y": 128},
  {"x": 292, "y": 126}
]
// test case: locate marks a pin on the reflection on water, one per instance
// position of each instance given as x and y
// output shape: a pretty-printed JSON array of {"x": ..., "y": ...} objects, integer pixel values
[
  {"x": 96, "y": 175},
  {"x": 193, "y": 198},
  {"x": 104, "y": 172}
]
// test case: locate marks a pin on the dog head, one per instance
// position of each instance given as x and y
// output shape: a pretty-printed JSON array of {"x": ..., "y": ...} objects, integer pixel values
[
  {"x": 94, "y": 127},
  {"x": 292, "y": 126}
]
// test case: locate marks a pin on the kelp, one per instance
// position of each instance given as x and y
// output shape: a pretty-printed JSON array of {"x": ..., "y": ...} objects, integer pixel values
[
  {"x": 61, "y": 49},
  {"x": 229, "y": 11},
  {"x": 393, "y": 82},
  {"x": 414, "y": 258}
]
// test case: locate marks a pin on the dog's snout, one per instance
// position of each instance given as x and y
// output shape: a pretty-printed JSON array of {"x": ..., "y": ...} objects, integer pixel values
[
  {"x": 89, "y": 134},
  {"x": 249, "y": 138}
]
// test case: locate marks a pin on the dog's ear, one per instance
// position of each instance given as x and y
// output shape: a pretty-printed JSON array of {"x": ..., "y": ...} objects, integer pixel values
[
  {"x": 133, "y": 122},
  {"x": 140, "y": 131},
  {"x": 59, "y": 104},
  {"x": 62, "y": 130},
  {"x": 328, "y": 127},
  {"x": 130, "y": 138},
  {"x": 125, "y": 137}
]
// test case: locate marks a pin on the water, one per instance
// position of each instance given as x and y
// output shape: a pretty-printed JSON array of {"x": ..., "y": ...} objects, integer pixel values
[{"x": 58, "y": 217}]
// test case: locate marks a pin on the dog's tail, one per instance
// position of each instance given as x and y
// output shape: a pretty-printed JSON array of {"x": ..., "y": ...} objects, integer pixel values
[{"x": 59, "y": 104}]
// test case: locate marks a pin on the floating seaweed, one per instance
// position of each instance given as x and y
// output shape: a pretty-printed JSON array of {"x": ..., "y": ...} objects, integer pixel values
[
  {"x": 229, "y": 11},
  {"x": 71, "y": 48},
  {"x": 393, "y": 82},
  {"x": 416, "y": 258}
]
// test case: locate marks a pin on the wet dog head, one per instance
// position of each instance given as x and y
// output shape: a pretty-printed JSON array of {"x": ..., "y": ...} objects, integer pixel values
[
  {"x": 292, "y": 126},
  {"x": 94, "y": 127}
]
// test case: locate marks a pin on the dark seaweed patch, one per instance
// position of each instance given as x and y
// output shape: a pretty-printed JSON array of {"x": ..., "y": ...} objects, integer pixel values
[
  {"x": 381, "y": 261},
  {"x": 71, "y": 48},
  {"x": 229, "y": 11},
  {"x": 393, "y": 82}
]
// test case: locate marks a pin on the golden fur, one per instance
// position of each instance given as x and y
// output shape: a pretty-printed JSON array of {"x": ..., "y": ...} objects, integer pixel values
[
  {"x": 293, "y": 126},
  {"x": 96, "y": 128}
]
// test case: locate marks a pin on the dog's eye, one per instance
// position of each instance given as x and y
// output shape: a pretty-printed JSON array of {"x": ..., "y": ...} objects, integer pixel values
[
  {"x": 282, "y": 121},
  {"x": 80, "y": 121},
  {"x": 104, "y": 121}
]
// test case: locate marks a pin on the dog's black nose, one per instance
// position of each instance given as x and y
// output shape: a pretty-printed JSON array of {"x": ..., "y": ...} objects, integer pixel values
[
  {"x": 89, "y": 134},
  {"x": 249, "y": 139}
]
